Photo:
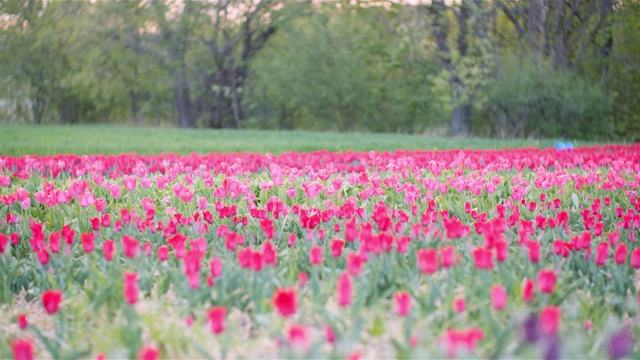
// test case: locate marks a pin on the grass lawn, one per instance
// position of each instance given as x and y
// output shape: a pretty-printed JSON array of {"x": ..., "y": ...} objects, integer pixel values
[{"x": 104, "y": 139}]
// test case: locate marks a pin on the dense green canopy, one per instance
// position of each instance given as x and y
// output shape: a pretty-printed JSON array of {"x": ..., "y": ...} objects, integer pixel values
[{"x": 505, "y": 68}]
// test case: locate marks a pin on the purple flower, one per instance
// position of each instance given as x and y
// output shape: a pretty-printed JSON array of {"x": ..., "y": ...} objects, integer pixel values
[
  {"x": 551, "y": 348},
  {"x": 621, "y": 344},
  {"x": 530, "y": 329}
]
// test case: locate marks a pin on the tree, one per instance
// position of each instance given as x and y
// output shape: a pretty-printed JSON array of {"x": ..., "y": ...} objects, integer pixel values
[
  {"x": 347, "y": 67},
  {"x": 33, "y": 54},
  {"x": 240, "y": 30},
  {"x": 569, "y": 43},
  {"x": 136, "y": 78},
  {"x": 461, "y": 31}
]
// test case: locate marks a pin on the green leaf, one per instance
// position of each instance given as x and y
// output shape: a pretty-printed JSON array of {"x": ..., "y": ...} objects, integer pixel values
[
  {"x": 378, "y": 327},
  {"x": 576, "y": 200}
]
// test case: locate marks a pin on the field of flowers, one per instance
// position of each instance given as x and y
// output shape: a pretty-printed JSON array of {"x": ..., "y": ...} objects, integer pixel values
[{"x": 517, "y": 253}]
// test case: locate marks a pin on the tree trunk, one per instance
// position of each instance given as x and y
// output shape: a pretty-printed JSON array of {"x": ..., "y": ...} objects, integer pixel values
[
  {"x": 37, "y": 107},
  {"x": 135, "y": 97},
  {"x": 461, "y": 114},
  {"x": 218, "y": 113},
  {"x": 605, "y": 10},
  {"x": 460, "y": 99},
  {"x": 537, "y": 19},
  {"x": 461, "y": 121},
  {"x": 68, "y": 109},
  {"x": 235, "y": 101},
  {"x": 560, "y": 57},
  {"x": 182, "y": 98}
]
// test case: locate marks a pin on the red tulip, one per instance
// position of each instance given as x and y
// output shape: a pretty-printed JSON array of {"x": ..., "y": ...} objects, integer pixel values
[
  {"x": 131, "y": 288},
  {"x": 269, "y": 253},
  {"x": 244, "y": 257},
  {"x": 22, "y": 349},
  {"x": 502, "y": 250},
  {"x": 163, "y": 252},
  {"x": 109, "y": 249},
  {"x": 546, "y": 281},
  {"x": 199, "y": 244},
  {"x": 354, "y": 355},
  {"x": 292, "y": 240},
  {"x": 467, "y": 339},
  {"x": 191, "y": 262},
  {"x": 402, "y": 244},
  {"x": 43, "y": 256},
  {"x": 130, "y": 183},
  {"x": 620, "y": 255},
  {"x": 267, "y": 226},
  {"x": 330, "y": 335},
  {"x": 403, "y": 303},
  {"x": 448, "y": 256},
  {"x": 459, "y": 304},
  {"x": 354, "y": 263},
  {"x": 302, "y": 279},
  {"x": 597, "y": 229},
  {"x": 454, "y": 228},
  {"x": 602, "y": 253},
  {"x": 336, "y": 247},
  {"x": 297, "y": 336},
  {"x": 129, "y": 246},
  {"x": 22, "y": 321},
  {"x": 100, "y": 204},
  {"x": 285, "y": 301},
  {"x": 51, "y": 301},
  {"x": 149, "y": 353},
  {"x": 54, "y": 242},
  {"x": 95, "y": 223},
  {"x": 635, "y": 258},
  {"x": 483, "y": 258},
  {"x": 528, "y": 290},
  {"x": 315, "y": 255},
  {"x": 256, "y": 261},
  {"x": 549, "y": 320},
  {"x": 215, "y": 265},
  {"x": 427, "y": 260},
  {"x": 344, "y": 290},
  {"x": 498, "y": 297},
  {"x": 534, "y": 251},
  {"x": 216, "y": 316},
  {"x": 87, "y": 241},
  {"x": 4, "y": 240}
]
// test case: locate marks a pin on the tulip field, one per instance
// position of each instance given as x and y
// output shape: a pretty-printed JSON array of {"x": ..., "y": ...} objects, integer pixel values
[{"x": 514, "y": 253}]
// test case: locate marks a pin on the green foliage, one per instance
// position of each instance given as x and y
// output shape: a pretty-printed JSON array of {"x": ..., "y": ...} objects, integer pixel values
[
  {"x": 346, "y": 70},
  {"x": 620, "y": 73},
  {"x": 547, "y": 104},
  {"x": 339, "y": 66}
]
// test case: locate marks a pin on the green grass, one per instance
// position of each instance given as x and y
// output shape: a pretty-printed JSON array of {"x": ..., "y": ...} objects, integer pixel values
[{"x": 18, "y": 140}]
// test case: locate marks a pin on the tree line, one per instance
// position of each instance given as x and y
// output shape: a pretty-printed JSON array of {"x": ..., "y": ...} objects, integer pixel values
[{"x": 498, "y": 68}]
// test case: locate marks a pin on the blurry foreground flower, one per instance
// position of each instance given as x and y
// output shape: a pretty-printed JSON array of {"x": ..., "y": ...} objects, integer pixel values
[
  {"x": 22, "y": 321},
  {"x": 22, "y": 349},
  {"x": 149, "y": 353},
  {"x": 51, "y": 301},
  {"x": 530, "y": 329},
  {"x": 403, "y": 303},
  {"x": 298, "y": 336},
  {"x": 285, "y": 301},
  {"x": 621, "y": 344},
  {"x": 216, "y": 316}
]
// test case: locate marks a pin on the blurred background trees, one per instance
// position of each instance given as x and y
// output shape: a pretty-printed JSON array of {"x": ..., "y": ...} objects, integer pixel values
[{"x": 501, "y": 68}]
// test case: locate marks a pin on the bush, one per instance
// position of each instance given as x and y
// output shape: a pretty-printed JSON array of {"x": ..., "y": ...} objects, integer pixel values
[{"x": 546, "y": 105}]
